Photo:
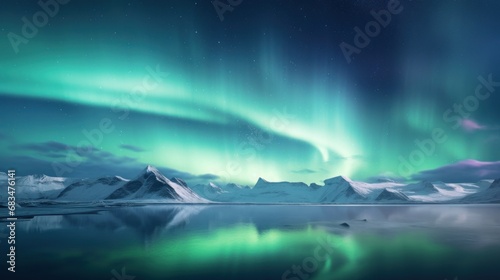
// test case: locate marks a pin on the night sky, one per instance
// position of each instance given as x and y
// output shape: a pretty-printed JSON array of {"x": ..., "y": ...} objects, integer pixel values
[{"x": 107, "y": 87}]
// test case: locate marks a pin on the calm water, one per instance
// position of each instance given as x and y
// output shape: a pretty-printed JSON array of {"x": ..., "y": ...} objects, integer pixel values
[{"x": 259, "y": 242}]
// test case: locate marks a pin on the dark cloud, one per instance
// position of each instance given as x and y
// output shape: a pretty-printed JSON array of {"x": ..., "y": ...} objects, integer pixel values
[
  {"x": 26, "y": 165},
  {"x": 57, "y": 150},
  {"x": 333, "y": 157},
  {"x": 132, "y": 148},
  {"x": 208, "y": 177},
  {"x": 190, "y": 179},
  {"x": 58, "y": 159},
  {"x": 384, "y": 178},
  {"x": 51, "y": 146},
  {"x": 467, "y": 171},
  {"x": 53, "y": 149},
  {"x": 304, "y": 171}
]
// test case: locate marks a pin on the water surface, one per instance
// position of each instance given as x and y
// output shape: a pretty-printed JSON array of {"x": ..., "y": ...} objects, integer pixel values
[{"x": 259, "y": 242}]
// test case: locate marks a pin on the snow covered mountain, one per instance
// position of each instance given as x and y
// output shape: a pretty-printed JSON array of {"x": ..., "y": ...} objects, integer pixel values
[
  {"x": 391, "y": 195},
  {"x": 152, "y": 186},
  {"x": 282, "y": 192},
  {"x": 433, "y": 192},
  {"x": 233, "y": 186},
  {"x": 91, "y": 190},
  {"x": 208, "y": 190},
  {"x": 149, "y": 185},
  {"x": 495, "y": 185},
  {"x": 342, "y": 190},
  {"x": 33, "y": 187},
  {"x": 262, "y": 192},
  {"x": 489, "y": 195}
]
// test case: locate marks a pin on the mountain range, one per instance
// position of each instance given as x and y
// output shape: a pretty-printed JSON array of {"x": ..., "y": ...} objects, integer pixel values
[{"x": 150, "y": 185}]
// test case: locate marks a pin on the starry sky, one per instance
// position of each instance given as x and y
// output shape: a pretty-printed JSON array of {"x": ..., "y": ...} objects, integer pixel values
[{"x": 211, "y": 92}]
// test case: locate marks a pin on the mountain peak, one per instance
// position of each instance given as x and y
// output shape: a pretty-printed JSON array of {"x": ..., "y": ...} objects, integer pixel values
[
  {"x": 150, "y": 169},
  {"x": 261, "y": 181},
  {"x": 427, "y": 185},
  {"x": 495, "y": 184},
  {"x": 152, "y": 184},
  {"x": 264, "y": 184},
  {"x": 38, "y": 176},
  {"x": 392, "y": 195},
  {"x": 337, "y": 180},
  {"x": 233, "y": 186},
  {"x": 314, "y": 186},
  {"x": 213, "y": 185},
  {"x": 41, "y": 178}
]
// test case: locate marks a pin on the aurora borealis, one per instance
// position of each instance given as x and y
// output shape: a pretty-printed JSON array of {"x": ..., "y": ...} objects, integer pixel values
[{"x": 265, "y": 93}]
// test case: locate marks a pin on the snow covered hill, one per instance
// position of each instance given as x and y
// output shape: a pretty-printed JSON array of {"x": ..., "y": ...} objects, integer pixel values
[
  {"x": 392, "y": 195},
  {"x": 149, "y": 185},
  {"x": 34, "y": 187},
  {"x": 489, "y": 195},
  {"x": 281, "y": 192},
  {"x": 152, "y": 186},
  {"x": 495, "y": 184},
  {"x": 342, "y": 190},
  {"x": 209, "y": 190},
  {"x": 91, "y": 190}
]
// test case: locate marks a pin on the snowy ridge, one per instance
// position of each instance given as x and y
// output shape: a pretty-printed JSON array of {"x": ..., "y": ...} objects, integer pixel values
[
  {"x": 495, "y": 184},
  {"x": 91, "y": 190},
  {"x": 392, "y": 195},
  {"x": 490, "y": 195},
  {"x": 262, "y": 192},
  {"x": 263, "y": 184},
  {"x": 439, "y": 191},
  {"x": 343, "y": 190},
  {"x": 208, "y": 190},
  {"x": 150, "y": 185},
  {"x": 34, "y": 187}
]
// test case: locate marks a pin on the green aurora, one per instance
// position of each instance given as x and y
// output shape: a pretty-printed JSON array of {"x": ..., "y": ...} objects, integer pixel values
[{"x": 248, "y": 97}]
